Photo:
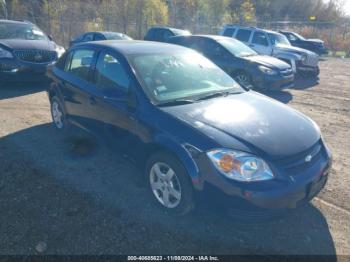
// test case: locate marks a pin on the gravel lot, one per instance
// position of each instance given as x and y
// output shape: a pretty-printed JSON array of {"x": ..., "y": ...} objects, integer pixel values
[{"x": 69, "y": 194}]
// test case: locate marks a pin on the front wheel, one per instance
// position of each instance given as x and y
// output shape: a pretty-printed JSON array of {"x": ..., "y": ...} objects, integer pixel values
[
  {"x": 170, "y": 184},
  {"x": 244, "y": 80}
]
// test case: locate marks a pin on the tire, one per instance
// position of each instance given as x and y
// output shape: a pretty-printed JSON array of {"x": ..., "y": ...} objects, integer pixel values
[
  {"x": 243, "y": 79},
  {"x": 164, "y": 166},
  {"x": 58, "y": 114}
]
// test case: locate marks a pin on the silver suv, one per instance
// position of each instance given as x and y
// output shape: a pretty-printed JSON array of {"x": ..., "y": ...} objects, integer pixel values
[{"x": 275, "y": 44}]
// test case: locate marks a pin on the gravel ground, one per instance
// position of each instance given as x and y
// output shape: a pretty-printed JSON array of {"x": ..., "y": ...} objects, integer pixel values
[{"x": 69, "y": 194}]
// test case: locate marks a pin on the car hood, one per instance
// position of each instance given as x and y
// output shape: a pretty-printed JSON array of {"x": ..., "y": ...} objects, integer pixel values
[
  {"x": 262, "y": 124},
  {"x": 268, "y": 61},
  {"x": 19, "y": 44},
  {"x": 293, "y": 49},
  {"x": 318, "y": 41}
]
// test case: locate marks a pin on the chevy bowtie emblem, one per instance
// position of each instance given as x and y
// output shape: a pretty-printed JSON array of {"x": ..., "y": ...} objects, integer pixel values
[{"x": 308, "y": 158}]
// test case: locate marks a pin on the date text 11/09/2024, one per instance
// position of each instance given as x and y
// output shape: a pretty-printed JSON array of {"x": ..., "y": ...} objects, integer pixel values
[{"x": 173, "y": 258}]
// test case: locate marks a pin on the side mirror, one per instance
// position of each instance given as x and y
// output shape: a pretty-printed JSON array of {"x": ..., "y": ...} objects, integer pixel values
[{"x": 50, "y": 37}]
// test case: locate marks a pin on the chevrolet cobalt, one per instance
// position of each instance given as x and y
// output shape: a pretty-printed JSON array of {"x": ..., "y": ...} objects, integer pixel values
[{"x": 193, "y": 127}]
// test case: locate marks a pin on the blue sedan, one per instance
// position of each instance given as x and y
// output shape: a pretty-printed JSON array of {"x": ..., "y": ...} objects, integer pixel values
[{"x": 191, "y": 125}]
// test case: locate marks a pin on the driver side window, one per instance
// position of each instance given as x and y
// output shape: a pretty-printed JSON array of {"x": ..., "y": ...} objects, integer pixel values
[{"x": 110, "y": 76}]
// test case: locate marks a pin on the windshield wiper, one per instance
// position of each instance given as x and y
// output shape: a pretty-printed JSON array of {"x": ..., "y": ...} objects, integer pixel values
[
  {"x": 177, "y": 102},
  {"x": 217, "y": 94}
]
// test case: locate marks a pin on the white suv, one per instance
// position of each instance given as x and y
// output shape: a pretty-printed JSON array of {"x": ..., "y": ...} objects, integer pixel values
[{"x": 275, "y": 44}]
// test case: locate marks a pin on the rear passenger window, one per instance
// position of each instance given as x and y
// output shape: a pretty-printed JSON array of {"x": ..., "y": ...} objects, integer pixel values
[
  {"x": 80, "y": 63},
  {"x": 229, "y": 32},
  {"x": 259, "y": 38},
  {"x": 243, "y": 35},
  {"x": 110, "y": 74}
]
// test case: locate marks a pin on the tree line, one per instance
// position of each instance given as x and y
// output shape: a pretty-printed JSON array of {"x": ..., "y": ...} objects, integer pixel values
[{"x": 64, "y": 19}]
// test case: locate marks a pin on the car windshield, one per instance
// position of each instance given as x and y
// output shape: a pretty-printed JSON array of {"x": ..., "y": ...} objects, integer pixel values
[
  {"x": 278, "y": 39},
  {"x": 299, "y": 36},
  {"x": 180, "y": 76},
  {"x": 180, "y": 32},
  {"x": 21, "y": 31},
  {"x": 237, "y": 48},
  {"x": 117, "y": 36}
]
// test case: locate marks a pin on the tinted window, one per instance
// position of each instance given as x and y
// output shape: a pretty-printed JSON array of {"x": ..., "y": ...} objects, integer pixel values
[
  {"x": 61, "y": 63},
  {"x": 166, "y": 35},
  {"x": 229, "y": 31},
  {"x": 80, "y": 63},
  {"x": 88, "y": 37},
  {"x": 99, "y": 37},
  {"x": 110, "y": 74},
  {"x": 243, "y": 35},
  {"x": 259, "y": 38},
  {"x": 212, "y": 48}
]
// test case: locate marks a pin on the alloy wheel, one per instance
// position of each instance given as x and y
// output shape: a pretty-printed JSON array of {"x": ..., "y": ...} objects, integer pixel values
[
  {"x": 57, "y": 114},
  {"x": 165, "y": 185}
]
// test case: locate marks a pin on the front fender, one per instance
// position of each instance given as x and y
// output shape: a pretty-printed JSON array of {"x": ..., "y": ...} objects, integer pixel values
[{"x": 181, "y": 152}]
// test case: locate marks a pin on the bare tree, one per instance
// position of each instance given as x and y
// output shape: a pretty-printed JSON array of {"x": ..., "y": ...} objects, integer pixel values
[{"x": 4, "y": 7}]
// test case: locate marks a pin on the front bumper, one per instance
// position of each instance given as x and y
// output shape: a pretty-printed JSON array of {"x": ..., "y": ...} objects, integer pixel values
[
  {"x": 276, "y": 82},
  {"x": 287, "y": 190},
  {"x": 13, "y": 70}
]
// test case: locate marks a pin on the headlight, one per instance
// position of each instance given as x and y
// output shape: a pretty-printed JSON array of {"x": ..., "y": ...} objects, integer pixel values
[
  {"x": 267, "y": 70},
  {"x": 59, "y": 50},
  {"x": 5, "y": 54},
  {"x": 240, "y": 166}
]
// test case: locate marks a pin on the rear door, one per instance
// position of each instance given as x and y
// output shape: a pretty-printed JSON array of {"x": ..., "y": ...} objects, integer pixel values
[
  {"x": 260, "y": 43},
  {"x": 77, "y": 88}
]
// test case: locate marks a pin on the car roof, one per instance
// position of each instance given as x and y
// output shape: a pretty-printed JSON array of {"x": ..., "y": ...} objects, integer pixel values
[
  {"x": 214, "y": 37},
  {"x": 251, "y": 28},
  {"x": 166, "y": 27},
  {"x": 15, "y": 22},
  {"x": 129, "y": 47}
]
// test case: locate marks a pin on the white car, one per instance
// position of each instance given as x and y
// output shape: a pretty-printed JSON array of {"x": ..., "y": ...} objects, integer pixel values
[{"x": 277, "y": 45}]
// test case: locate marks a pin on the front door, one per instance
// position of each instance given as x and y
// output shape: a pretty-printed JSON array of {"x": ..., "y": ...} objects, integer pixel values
[{"x": 116, "y": 109}]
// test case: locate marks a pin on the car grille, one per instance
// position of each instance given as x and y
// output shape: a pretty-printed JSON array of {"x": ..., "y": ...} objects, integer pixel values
[
  {"x": 287, "y": 72},
  {"x": 312, "y": 60},
  {"x": 36, "y": 56},
  {"x": 296, "y": 164}
]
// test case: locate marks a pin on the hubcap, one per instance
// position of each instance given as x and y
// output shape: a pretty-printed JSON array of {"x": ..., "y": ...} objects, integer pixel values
[
  {"x": 165, "y": 185},
  {"x": 57, "y": 115},
  {"x": 243, "y": 80}
]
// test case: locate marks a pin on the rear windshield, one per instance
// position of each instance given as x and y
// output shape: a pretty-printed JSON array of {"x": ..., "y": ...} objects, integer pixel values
[{"x": 116, "y": 36}]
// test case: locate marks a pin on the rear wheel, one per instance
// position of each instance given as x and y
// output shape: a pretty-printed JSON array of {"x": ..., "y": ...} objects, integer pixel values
[
  {"x": 169, "y": 184},
  {"x": 58, "y": 114}
]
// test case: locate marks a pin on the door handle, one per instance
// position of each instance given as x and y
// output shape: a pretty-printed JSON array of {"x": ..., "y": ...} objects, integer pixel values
[
  {"x": 251, "y": 45},
  {"x": 92, "y": 100}
]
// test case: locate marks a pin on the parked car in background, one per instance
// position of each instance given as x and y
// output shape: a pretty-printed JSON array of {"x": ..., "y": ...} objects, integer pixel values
[
  {"x": 315, "y": 45},
  {"x": 250, "y": 69},
  {"x": 162, "y": 34},
  {"x": 195, "y": 128},
  {"x": 25, "y": 51},
  {"x": 99, "y": 36},
  {"x": 303, "y": 62}
]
